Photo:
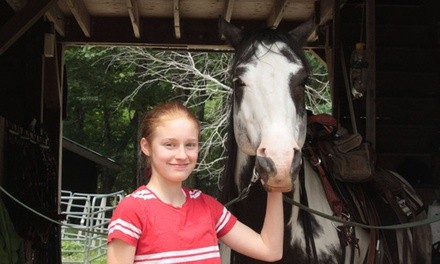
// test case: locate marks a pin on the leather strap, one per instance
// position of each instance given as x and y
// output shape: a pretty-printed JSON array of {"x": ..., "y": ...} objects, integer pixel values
[
  {"x": 323, "y": 119},
  {"x": 322, "y": 125},
  {"x": 371, "y": 218},
  {"x": 333, "y": 199},
  {"x": 346, "y": 235}
]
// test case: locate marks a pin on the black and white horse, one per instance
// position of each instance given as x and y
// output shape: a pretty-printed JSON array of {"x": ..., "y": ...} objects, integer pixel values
[{"x": 268, "y": 131}]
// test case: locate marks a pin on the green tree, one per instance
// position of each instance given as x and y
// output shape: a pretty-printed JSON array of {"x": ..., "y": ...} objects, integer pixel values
[
  {"x": 318, "y": 98},
  {"x": 97, "y": 119}
]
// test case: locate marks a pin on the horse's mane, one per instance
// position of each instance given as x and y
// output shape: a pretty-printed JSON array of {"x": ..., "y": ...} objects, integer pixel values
[
  {"x": 227, "y": 180},
  {"x": 268, "y": 36}
]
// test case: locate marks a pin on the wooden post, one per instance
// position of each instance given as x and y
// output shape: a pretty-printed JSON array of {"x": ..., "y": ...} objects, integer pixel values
[
  {"x": 335, "y": 60},
  {"x": 370, "y": 132},
  {"x": 2, "y": 148}
]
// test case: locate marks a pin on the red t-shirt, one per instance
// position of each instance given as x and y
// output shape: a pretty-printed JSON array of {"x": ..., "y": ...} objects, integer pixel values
[{"x": 162, "y": 233}]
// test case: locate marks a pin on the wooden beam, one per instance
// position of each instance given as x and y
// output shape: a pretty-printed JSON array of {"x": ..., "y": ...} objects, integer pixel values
[
  {"x": 329, "y": 54},
  {"x": 276, "y": 14},
  {"x": 158, "y": 32},
  {"x": 81, "y": 15},
  {"x": 2, "y": 149},
  {"x": 56, "y": 16},
  {"x": 335, "y": 44},
  {"x": 325, "y": 11},
  {"x": 90, "y": 154},
  {"x": 16, "y": 4},
  {"x": 176, "y": 14},
  {"x": 370, "y": 131},
  {"x": 22, "y": 21},
  {"x": 227, "y": 12},
  {"x": 133, "y": 12},
  {"x": 51, "y": 83}
]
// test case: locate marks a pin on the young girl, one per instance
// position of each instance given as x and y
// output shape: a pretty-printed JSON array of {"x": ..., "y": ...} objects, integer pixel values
[{"x": 164, "y": 222}]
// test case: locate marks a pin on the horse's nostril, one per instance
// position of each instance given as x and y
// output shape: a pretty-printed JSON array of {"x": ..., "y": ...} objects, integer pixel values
[
  {"x": 265, "y": 166},
  {"x": 261, "y": 152}
]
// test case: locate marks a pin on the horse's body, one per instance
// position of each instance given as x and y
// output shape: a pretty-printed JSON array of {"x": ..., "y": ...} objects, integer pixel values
[{"x": 267, "y": 136}]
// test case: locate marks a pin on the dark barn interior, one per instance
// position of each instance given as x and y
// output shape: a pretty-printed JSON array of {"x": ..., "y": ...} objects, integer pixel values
[{"x": 399, "y": 115}]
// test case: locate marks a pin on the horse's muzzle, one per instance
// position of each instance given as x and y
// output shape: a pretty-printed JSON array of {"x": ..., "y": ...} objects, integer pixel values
[
  {"x": 274, "y": 180},
  {"x": 278, "y": 179}
]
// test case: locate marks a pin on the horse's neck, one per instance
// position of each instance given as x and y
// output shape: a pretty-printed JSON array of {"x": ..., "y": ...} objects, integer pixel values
[{"x": 316, "y": 198}]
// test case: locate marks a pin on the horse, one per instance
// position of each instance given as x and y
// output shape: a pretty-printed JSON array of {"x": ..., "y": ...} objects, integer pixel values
[{"x": 267, "y": 134}]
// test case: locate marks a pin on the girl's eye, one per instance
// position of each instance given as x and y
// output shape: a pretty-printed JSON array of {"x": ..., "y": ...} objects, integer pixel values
[
  {"x": 191, "y": 145},
  {"x": 169, "y": 145}
]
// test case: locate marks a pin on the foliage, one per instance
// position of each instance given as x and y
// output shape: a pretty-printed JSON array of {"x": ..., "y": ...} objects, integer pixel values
[
  {"x": 73, "y": 252},
  {"x": 111, "y": 88},
  {"x": 318, "y": 98},
  {"x": 94, "y": 118}
]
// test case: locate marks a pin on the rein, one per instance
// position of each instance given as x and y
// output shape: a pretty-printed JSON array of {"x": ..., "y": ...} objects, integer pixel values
[
  {"x": 245, "y": 192},
  {"x": 427, "y": 221}
]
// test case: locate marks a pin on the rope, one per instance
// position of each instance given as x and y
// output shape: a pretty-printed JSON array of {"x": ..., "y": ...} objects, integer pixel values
[
  {"x": 242, "y": 196},
  {"x": 426, "y": 221},
  {"x": 48, "y": 218}
]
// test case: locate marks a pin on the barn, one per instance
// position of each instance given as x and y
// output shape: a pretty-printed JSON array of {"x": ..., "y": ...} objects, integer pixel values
[{"x": 398, "y": 115}]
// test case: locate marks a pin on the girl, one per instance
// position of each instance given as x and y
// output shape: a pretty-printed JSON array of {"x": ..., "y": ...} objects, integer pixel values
[{"x": 164, "y": 222}]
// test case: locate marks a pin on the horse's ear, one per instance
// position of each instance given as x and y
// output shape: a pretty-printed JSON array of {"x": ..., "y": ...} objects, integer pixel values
[
  {"x": 303, "y": 31},
  {"x": 232, "y": 33}
]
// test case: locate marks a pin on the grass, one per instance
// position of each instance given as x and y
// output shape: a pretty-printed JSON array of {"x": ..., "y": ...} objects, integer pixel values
[{"x": 73, "y": 251}]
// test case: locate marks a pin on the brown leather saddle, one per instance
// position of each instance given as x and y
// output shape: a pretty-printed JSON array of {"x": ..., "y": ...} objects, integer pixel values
[{"x": 384, "y": 199}]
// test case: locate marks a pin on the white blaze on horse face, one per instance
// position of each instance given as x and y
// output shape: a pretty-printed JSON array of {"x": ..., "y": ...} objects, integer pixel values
[{"x": 266, "y": 118}]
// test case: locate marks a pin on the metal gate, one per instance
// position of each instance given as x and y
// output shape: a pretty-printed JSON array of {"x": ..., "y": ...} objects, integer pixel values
[{"x": 84, "y": 233}]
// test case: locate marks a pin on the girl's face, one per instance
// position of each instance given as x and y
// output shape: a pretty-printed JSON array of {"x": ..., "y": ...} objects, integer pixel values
[{"x": 173, "y": 150}]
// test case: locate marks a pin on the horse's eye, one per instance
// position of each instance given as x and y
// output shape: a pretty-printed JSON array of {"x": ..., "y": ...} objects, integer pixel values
[{"x": 238, "y": 83}]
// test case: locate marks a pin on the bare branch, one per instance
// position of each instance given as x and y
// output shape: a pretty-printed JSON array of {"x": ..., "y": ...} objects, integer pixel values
[{"x": 199, "y": 73}]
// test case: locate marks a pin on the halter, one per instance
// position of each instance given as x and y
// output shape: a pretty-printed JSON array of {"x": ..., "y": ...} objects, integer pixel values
[{"x": 245, "y": 192}]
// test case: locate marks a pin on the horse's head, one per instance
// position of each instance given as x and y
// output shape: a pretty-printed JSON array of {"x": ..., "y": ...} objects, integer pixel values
[{"x": 269, "y": 72}]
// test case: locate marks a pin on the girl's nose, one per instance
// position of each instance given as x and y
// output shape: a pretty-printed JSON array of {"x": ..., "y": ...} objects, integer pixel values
[{"x": 181, "y": 153}]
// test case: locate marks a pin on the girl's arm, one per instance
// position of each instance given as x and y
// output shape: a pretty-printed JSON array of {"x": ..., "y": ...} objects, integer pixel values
[
  {"x": 266, "y": 246},
  {"x": 119, "y": 252}
]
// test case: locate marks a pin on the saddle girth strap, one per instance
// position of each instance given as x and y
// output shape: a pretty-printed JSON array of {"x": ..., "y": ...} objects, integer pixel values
[{"x": 333, "y": 199}]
